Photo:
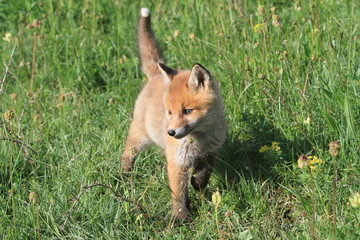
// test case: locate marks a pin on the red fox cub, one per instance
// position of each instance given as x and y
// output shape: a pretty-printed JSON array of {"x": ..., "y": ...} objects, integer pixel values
[{"x": 182, "y": 112}]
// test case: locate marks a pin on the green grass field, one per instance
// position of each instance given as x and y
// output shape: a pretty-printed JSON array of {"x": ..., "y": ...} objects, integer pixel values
[{"x": 290, "y": 78}]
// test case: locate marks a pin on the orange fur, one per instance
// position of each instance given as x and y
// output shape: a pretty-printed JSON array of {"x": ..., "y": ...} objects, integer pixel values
[{"x": 180, "y": 111}]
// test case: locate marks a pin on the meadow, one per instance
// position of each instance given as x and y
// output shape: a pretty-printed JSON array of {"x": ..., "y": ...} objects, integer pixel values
[{"x": 290, "y": 78}]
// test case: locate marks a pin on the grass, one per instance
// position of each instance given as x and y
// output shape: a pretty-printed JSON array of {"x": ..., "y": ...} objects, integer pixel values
[{"x": 70, "y": 81}]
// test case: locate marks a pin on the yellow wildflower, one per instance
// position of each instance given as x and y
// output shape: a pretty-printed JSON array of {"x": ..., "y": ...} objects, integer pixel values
[
  {"x": 309, "y": 161},
  {"x": 275, "y": 146},
  {"x": 314, "y": 160},
  {"x": 259, "y": 27},
  {"x": 313, "y": 168},
  {"x": 264, "y": 148}
]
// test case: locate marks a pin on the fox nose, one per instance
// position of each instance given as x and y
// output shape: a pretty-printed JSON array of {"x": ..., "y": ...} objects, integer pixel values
[{"x": 171, "y": 132}]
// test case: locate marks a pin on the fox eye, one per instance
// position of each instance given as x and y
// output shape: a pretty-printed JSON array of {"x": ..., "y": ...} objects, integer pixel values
[
  {"x": 187, "y": 111},
  {"x": 169, "y": 112}
]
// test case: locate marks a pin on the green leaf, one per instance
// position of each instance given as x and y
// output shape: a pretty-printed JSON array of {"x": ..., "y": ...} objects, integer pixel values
[{"x": 349, "y": 115}]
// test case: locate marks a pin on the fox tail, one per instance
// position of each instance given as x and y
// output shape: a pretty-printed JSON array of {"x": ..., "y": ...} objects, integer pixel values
[{"x": 149, "y": 50}]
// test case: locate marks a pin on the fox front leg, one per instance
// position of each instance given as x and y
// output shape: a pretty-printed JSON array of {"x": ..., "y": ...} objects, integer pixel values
[
  {"x": 128, "y": 159},
  {"x": 178, "y": 181}
]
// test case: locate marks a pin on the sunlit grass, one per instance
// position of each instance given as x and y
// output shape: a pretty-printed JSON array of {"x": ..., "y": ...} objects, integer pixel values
[{"x": 290, "y": 77}]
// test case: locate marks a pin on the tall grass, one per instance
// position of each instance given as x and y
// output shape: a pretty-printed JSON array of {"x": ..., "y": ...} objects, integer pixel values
[{"x": 290, "y": 77}]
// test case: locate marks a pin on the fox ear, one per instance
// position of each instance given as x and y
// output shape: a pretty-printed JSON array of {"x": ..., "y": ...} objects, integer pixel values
[
  {"x": 199, "y": 78},
  {"x": 168, "y": 73}
]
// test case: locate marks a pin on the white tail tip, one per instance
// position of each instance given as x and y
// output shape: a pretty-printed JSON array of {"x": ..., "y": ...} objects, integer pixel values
[{"x": 145, "y": 12}]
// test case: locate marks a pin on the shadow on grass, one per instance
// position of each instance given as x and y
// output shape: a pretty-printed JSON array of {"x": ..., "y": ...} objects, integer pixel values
[{"x": 240, "y": 156}]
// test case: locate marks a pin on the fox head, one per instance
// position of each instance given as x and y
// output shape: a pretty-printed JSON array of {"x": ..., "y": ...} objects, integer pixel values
[{"x": 191, "y": 100}]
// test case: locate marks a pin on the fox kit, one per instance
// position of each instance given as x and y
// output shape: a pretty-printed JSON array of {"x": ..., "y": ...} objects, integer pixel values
[{"x": 182, "y": 112}]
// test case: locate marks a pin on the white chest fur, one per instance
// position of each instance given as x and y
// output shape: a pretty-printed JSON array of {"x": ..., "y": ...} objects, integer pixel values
[{"x": 197, "y": 146}]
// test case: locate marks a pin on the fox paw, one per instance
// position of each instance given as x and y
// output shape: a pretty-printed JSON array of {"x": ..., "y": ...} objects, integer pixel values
[
  {"x": 183, "y": 217},
  {"x": 127, "y": 163}
]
